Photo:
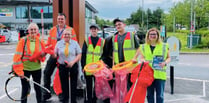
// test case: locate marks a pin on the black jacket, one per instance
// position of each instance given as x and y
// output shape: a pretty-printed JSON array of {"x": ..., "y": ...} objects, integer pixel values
[{"x": 107, "y": 55}]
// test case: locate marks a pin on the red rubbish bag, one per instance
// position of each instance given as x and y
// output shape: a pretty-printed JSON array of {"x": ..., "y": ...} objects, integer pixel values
[
  {"x": 145, "y": 79},
  {"x": 102, "y": 87}
]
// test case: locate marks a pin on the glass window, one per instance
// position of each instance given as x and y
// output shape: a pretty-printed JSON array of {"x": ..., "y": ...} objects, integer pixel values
[
  {"x": 36, "y": 12},
  {"x": 21, "y": 12}
]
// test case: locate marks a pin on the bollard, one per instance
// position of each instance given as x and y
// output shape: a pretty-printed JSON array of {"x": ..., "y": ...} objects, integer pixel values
[{"x": 172, "y": 79}]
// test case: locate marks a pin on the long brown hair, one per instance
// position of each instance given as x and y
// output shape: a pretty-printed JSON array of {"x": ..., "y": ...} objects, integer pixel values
[{"x": 158, "y": 36}]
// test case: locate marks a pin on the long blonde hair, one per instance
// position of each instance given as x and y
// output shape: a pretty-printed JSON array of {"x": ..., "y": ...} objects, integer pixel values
[{"x": 158, "y": 36}]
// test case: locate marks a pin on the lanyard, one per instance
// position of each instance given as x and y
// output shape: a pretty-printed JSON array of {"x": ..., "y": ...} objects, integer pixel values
[{"x": 59, "y": 33}]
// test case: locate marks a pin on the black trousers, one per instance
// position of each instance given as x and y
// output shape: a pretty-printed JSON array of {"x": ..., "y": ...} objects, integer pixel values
[
  {"x": 48, "y": 71},
  {"x": 64, "y": 79},
  {"x": 36, "y": 75},
  {"x": 91, "y": 95}
]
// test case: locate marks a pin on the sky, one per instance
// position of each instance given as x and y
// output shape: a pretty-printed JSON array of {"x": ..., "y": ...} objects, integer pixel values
[{"x": 110, "y": 9}]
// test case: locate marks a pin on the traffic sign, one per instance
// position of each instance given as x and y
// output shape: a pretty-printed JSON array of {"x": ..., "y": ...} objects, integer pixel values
[{"x": 174, "y": 47}]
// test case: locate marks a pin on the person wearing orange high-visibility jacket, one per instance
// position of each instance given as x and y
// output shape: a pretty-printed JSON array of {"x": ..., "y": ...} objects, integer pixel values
[
  {"x": 123, "y": 45},
  {"x": 91, "y": 52},
  {"x": 152, "y": 49},
  {"x": 55, "y": 35},
  {"x": 27, "y": 60}
]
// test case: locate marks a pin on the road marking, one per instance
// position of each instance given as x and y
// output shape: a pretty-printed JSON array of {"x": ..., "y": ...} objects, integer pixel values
[
  {"x": 199, "y": 80},
  {"x": 7, "y": 54},
  {"x": 3, "y": 96},
  {"x": 183, "y": 99},
  {"x": 190, "y": 64},
  {"x": 3, "y": 64}
]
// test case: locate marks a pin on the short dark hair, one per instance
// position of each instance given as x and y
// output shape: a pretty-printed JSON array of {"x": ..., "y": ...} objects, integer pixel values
[
  {"x": 117, "y": 20},
  {"x": 62, "y": 14}
]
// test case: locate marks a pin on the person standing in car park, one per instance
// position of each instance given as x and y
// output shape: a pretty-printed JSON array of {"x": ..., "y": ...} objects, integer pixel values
[
  {"x": 119, "y": 48},
  {"x": 91, "y": 52},
  {"x": 55, "y": 35},
  {"x": 154, "y": 47},
  {"x": 27, "y": 61}
]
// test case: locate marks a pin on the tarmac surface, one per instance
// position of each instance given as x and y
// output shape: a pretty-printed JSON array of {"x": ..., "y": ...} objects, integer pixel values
[{"x": 185, "y": 91}]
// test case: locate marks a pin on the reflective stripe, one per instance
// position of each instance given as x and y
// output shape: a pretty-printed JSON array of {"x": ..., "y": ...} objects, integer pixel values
[
  {"x": 94, "y": 53},
  {"x": 73, "y": 36},
  {"x": 26, "y": 57},
  {"x": 132, "y": 40},
  {"x": 160, "y": 49},
  {"x": 164, "y": 45},
  {"x": 18, "y": 53},
  {"x": 53, "y": 38},
  {"x": 17, "y": 63},
  {"x": 143, "y": 49},
  {"x": 162, "y": 70},
  {"x": 40, "y": 44},
  {"x": 128, "y": 47},
  {"x": 150, "y": 61},
  {"x": 101, "y": 48}
]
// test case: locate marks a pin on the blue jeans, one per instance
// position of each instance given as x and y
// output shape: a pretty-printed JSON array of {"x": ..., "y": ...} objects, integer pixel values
[{"x": 158, "y": 86}]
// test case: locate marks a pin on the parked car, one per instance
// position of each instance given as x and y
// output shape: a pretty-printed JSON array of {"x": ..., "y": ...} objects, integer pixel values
[
  {"x": 5, "y": 35},
  {"x": 106, "y": 34}
]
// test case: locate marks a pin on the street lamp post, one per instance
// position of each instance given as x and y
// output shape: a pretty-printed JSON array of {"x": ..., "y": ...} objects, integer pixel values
[
  {"x": 191, "y": 27},
  {"x": 142, "y": 13}
]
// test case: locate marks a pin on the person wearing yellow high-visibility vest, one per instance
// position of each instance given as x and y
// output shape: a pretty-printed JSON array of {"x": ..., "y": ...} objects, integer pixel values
[
  {"x": 152, "y": 49},
  {"x": 122, "y": 45},
  {"x": 91, "y": 52}
]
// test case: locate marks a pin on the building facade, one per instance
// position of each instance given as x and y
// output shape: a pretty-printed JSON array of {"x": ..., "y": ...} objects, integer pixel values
[{"x": 17, "y": 14}]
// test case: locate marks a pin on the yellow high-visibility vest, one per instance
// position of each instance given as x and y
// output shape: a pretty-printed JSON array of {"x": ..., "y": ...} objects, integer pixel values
[
  {"x": 160, "y": 50},
  {"x": 128, "y": 47},
  {"x": 93, "y": 54}
]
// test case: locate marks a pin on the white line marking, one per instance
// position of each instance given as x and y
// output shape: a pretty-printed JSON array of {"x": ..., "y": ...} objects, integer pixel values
[
  {"x": 204, "y": 89},
  {"x": 7, "y": 54},
  {"x": 189, "y": 79},
  {"x": 183, "y": 99},
  {"x": 3, "y": 96}
]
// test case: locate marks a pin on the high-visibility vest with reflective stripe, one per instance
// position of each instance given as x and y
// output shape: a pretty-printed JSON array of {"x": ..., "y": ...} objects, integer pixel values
[
  {"x": 160, "y": 50},
  {"x": 52, "y": 39},
  {"x": 128, "y": 47},
  {"x": 19, "y": 57},
  {"x": 93, "y": 54}
]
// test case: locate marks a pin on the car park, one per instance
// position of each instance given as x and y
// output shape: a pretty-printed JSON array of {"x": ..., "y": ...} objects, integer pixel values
[{"x": 5, "y": 35}]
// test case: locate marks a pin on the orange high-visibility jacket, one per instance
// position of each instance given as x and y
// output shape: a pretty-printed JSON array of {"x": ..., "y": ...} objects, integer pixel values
[
  {"x": 52, "y": 39},
  {"x": 19, "y": 57}
]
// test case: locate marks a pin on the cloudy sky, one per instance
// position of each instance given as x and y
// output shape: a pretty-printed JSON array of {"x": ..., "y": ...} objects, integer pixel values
[{"x": 110, "y": 9}]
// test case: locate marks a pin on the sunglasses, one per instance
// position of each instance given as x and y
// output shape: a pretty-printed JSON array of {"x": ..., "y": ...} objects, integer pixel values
[{"x": 153, "y": 34}]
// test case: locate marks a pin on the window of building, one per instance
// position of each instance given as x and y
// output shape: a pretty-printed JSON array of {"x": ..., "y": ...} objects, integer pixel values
[
  {"x": 36, "y": 12},
  {"x": 88, "y": 13},
  {"x": 21, "y": 12}
]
